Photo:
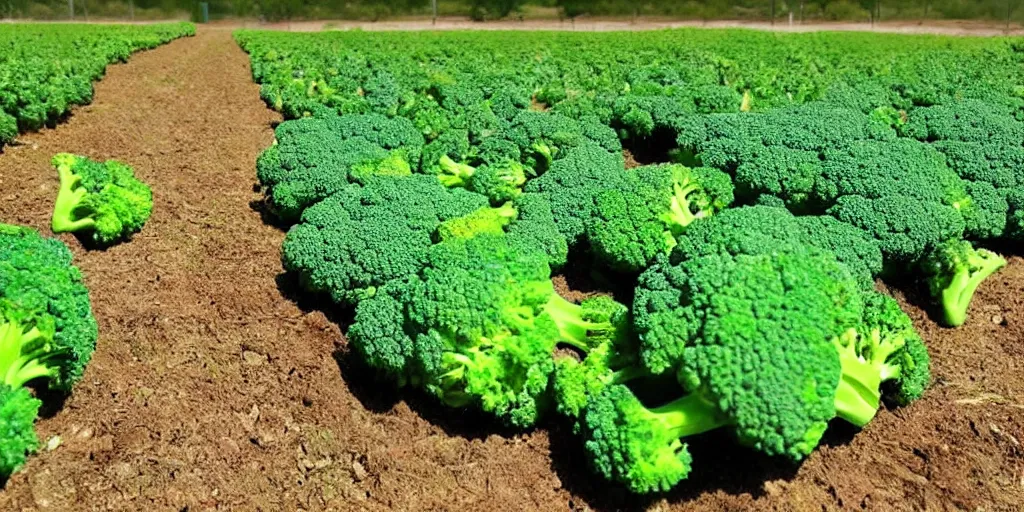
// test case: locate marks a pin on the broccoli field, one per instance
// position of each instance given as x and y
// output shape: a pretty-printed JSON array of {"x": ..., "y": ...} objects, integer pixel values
[{"x": 666, "y": 270}]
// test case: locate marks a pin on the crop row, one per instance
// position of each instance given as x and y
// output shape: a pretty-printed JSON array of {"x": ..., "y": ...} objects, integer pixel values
[
  {"x": 435, "y": 183},
  {"x": 45, "y": 71}
]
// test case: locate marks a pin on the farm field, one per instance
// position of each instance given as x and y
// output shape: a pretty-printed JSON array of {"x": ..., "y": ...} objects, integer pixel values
[{"x": 217, "y": 383}]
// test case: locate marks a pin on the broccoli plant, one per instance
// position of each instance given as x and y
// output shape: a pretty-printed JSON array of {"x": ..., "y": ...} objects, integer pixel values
[
  {"x": 105, "y": 199},
  {"x": 635, "y": 224},
  {"x": 46, "y": 332},
  {"x": 953, "y": 271},
  {"x": 18, "y": 411},
  {"x": 36, "y": 275}
]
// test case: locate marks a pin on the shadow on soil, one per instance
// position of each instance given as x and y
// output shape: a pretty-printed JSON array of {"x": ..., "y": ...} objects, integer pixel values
[
  {"x": 720, "y": 464},
  {"x": 377, "y": 394},
  {"x": 380, "y": 396},
  {"x": 267, "y": 215}
]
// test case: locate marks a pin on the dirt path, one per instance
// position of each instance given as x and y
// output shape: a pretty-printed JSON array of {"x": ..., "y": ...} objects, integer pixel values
[
  {"x": 587, "y": 24},
  {"x": 211, "y": 390}
]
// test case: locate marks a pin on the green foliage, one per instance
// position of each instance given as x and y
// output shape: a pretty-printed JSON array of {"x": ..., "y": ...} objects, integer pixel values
[{"x": 778, "y": 178}]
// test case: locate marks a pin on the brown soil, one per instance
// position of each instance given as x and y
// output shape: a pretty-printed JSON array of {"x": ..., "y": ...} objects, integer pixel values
[{"x": 212, "y": 390}]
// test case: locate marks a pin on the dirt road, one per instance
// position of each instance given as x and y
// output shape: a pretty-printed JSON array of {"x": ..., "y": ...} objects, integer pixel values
[{"x": 212, "y": 389}]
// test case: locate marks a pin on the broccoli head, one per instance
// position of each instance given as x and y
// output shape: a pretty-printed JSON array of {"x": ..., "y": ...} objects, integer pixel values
[
  {"x": 953, "y": 271},
  {"x": 635, "y": 224},
  {"x": 103, "y": 199},
  {"x": 747, "y": 337},
  {"x": 38, "y": 280},
  {"x": 18, "y": 411}
]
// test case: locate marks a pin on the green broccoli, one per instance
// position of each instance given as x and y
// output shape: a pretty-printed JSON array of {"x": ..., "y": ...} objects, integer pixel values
[
  {"x": 363, "y": 236},
  {"x": 477, "y": 325},
  {"x": 18, "y": 411},
  {"x": 883, "y": 350},
  {"x": 574, "y": 182},
  {"x": 953, "y": 271},
  {"x": 36, "y": 275},
  {"x": 607, "y": 353},
  {"x": 635, "y": 224},
  {"x": 499, "y": 182},
  {"x": 316, "y": 157},
  {"x": 544, "y": 137},
  {"x": 484, "y": 220},
  {"x": 104, "y": 199},
  {"x": 748, "y": 340}
]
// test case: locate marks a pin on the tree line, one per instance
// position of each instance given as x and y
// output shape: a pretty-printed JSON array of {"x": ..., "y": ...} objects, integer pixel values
[{"x": 277, "y": 10}]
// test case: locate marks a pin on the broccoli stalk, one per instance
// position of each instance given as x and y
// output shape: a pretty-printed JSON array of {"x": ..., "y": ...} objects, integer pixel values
[
  {"x": 955, "y": 269},
  {"x": 679, "y": 214},
  {"x": 687, "y": 416},
  {"x": 454, "y": 174},
  {"x": 859, "y": 395},
  {"x": 26, "y": 350},
  {"x": 576, "y": 325},
  {"x": 69, "y": 197}
]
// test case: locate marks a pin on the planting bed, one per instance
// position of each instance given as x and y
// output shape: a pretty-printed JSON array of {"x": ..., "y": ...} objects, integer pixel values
[{"x": 215, "y": 386}]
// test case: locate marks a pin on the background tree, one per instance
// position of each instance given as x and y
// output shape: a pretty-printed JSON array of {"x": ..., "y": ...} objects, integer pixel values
[{"x": 494, "y": 9}]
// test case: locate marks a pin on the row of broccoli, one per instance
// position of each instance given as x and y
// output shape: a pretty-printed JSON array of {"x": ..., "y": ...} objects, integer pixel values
[
  {"x": 919, "y": 205},
  {"x": 46, "y": 71},
  {"x": 634, "y": 80},
  {"x": 47, "y": 329},
  {"x": 743, "y": 315},
  {"x": 47, "y": 333}
]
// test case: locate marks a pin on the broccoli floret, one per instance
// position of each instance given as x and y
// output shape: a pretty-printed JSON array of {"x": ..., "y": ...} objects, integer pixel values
[
  {"x": 103, "y": 199},
  {"x": 765, "y": 229},
  {"x": 18, "y": 411},
  {"x": 362, "y": 237},
  {"x": 499, "y": 182},
  {"x": 544, "y": 137},
  {"x": 484, "y": 220},
  {"x": 953, "y": 271},
  {"x": 748, "y": 339},
  {"x": 381, "y": 336},
  {"x": 628, "y": 443},
  {"x": 606, "y": 344},
  {"x": 573, "y": 184},
  {"x": 316, "y": 157},
  {"x": 8, "y": 128},
  {"x": 535, "y": 227},
  {"x": 36, "y": 275},
  {"x": 967, "y": 120},
  {"x": 904, "y": 227},
  {"x": 1015, "y": 214},
  {"x": 633, "y": 225},
  {"x": 884, "y": 352}
]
